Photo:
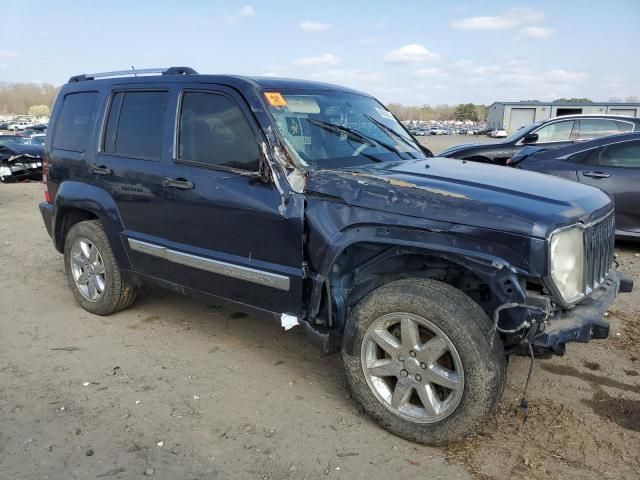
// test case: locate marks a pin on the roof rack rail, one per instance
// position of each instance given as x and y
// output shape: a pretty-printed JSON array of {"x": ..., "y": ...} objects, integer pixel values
[{"x": 135, "y": 73}]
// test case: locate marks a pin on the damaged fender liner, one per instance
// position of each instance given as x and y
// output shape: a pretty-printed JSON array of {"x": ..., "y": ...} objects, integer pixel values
[{"x": 584, "y": 321}]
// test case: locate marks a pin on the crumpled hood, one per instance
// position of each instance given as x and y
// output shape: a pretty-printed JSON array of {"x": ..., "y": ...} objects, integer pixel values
[
  {"x": 20, "y": 149},
  {"x": 461, "y": 192}
]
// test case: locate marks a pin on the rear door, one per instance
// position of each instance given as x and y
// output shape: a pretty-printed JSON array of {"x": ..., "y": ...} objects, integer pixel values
[
  {"x": 228, "y": 232},
  {"x": 590, "y": 128},
  {"x": 128, "y": 166},
  {"x": 615, "y": 168}
]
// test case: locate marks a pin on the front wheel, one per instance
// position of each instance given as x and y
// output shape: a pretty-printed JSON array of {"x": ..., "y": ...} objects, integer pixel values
[{"x": 421, "y": 361}]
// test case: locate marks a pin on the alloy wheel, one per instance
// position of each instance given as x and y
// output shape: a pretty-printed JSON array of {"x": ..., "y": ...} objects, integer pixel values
[{"x": 412, "y": 367}]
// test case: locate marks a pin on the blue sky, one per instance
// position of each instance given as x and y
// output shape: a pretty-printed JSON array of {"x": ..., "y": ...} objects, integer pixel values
[{"x": 413, "y": 52}]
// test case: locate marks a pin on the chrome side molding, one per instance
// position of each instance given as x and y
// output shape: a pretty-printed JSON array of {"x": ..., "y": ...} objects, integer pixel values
[{"x": 260, "y": 277}]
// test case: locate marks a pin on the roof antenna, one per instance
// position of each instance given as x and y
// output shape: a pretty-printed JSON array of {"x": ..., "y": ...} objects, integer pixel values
[{"x": 134, "y": 71}]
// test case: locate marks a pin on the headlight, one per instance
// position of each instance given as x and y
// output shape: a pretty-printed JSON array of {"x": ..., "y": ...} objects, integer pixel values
[{"x": 566, "y": 254}]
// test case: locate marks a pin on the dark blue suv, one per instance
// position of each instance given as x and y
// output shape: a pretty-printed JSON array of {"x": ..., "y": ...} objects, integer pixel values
[{"x": 312, "y": 202}]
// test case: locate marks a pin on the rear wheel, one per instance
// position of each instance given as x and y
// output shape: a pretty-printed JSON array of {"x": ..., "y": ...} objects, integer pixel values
[
  {"x": 92, "y": 271},
  {"x": 422, "y": 362}
]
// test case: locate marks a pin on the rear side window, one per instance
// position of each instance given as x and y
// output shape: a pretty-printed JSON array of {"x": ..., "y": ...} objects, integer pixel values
[
  {"x": 625, "y": 155},
  {"x": 135, "y": 123},
  {"x": 624, "y": 127},
  {"x": 555, "y": 132},
  {"x": 75, "y": 123},
  {"x": 596, "y": 127},
  {"x": 214, "y": 131}
]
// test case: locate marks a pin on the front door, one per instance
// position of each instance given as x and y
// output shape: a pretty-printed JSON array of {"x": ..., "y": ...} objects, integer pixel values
[{"x": 228, "y": 232}]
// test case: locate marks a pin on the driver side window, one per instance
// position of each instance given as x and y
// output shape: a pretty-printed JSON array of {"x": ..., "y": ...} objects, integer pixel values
[
  {"x": 213, "y": 131},
  {"x": 555, "y": 132}
]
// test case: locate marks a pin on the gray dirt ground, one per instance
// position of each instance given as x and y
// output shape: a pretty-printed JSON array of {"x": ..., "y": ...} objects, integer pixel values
[{"x": 195, "y": 391}]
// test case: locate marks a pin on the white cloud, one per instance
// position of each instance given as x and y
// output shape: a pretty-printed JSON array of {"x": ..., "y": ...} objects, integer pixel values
[
  {"x": 517, "y": 73},
  {"x": 513, "y": 18},
  {"x": 309, "y": 26},
  {"x": 7, "y": 53},
  {"x": 412, "y": 53},
  {"x": 541, "y": 33},
  {"x": 324, "y": 59},
  {"x": 246, "y": 11}
]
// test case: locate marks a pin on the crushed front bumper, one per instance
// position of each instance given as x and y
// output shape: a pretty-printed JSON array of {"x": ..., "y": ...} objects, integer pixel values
[{"x": 586, "y": 320}]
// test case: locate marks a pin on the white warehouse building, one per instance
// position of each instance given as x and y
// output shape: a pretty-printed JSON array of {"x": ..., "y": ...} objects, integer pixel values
[{"x": 513, "y": 115}]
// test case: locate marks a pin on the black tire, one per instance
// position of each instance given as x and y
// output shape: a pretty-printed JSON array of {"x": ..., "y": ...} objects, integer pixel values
[
  {"x": 467, "y": 327},
  {"x": 118, "y": 294}
]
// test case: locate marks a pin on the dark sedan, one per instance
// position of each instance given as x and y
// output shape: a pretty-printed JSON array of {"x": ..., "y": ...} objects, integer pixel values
[
  {"x": 20, "y": 159},
  {"x": 553, "y": 133},
  {"x": 611, "y": 163}
]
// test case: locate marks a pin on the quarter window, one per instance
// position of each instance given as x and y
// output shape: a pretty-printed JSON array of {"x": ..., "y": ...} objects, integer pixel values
[
  {"x": 214, "y": 131},
  {"x": 555, "y": 132},
  {"x": 626, "y": 155},
  {"x": 624, "y": 127},
  {"x": 135, "y": 123},
  {"x": 597, "y": 127},
  {"x": 76, "y": 121}
]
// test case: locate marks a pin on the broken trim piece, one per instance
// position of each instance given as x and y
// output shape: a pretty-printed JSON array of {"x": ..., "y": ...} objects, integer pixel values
[{"x": 288, "y": 321}]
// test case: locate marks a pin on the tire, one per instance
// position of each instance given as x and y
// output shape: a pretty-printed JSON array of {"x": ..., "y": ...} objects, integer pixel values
[
  {"x": 112, "y": 292},
  {"x": 455, "y": 320}
]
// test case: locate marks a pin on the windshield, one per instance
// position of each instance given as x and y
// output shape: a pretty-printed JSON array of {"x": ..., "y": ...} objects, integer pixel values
[
  {"x": 333, "y": 129},
  {"x": 518, "y": 134}
]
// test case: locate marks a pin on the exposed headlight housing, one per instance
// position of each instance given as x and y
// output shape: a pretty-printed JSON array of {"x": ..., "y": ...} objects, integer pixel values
[{"x": 566, "y": 263}]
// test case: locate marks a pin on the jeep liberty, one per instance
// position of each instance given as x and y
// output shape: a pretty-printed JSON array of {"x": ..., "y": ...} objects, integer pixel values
[{"x": 312, "y": 202}]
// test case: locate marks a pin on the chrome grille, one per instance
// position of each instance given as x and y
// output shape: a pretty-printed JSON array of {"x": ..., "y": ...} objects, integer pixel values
[{"x": 598, "y": 251}]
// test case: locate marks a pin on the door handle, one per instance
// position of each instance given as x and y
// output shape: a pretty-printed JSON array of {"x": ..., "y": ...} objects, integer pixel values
[
  {"x": 179, "y": 183},
  {"x": 100, "y": 170},
  {"x": 595, "y": 174}
]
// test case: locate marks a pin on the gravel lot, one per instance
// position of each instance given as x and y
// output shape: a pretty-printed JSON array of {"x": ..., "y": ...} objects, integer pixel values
[{"x": 181, "y": 389}]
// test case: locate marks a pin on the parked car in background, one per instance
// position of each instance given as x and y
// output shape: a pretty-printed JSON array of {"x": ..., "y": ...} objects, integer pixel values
[
  {"x": 20, "y": 159},
  {"x": 38, "y": 138},
  {"x": 19, "y": 125},
  {"x": 610, "y": 163},
  {"x": 498, "y": 133},
  {"x": 552, "y": 133}
]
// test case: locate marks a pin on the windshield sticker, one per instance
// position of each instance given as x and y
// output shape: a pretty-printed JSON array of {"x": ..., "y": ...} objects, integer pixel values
[
  {"x": 293, "y": 126},
  {"x": 275, "y": 99},
  {"x": 384, "y": 113}
]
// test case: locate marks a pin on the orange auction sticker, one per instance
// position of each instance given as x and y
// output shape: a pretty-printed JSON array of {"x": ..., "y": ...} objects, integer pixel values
[{"x": 275, "y": 99}]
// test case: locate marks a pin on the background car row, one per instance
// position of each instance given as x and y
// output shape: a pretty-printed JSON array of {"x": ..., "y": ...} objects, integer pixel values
[{"x": 598, "y": 150}]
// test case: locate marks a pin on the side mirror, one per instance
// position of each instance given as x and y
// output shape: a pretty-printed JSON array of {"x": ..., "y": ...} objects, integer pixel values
[{"x": 530, "y": 138}]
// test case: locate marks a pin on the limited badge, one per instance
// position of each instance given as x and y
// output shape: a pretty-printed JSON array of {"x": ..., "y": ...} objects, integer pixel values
[{"x": 275, "y": 99}]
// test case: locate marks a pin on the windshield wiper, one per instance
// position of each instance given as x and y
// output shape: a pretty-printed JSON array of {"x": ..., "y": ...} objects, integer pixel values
[
  {"x": 391, "y": 131},
  {"x": 355, "y": 134}
]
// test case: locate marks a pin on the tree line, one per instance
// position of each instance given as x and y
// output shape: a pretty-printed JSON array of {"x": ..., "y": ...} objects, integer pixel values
[
  {"x": 461, "y": 112},
  {"x": 19, "y": 98}
]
